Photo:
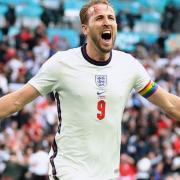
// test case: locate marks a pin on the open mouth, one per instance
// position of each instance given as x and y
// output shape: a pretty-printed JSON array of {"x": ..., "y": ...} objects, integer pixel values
[{"x": 106, "y": 35}]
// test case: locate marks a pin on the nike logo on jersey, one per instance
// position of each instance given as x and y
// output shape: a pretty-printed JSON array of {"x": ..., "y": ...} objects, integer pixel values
[{"x": 100, "y": 93}]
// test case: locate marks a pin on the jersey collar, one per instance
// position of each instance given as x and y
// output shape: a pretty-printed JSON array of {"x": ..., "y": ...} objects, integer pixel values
[{"x": 92, "y": 61}]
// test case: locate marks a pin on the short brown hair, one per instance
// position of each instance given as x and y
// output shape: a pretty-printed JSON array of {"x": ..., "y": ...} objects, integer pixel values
[{"x": 84, "y": 10}]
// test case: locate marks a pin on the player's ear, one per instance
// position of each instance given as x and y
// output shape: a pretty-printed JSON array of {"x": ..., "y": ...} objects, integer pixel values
[{"x": 84, "y": 29}]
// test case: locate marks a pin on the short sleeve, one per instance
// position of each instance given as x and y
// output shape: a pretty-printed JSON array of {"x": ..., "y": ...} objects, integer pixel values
[
  {"x": 46, "y": 79},
  {"x": 143, "y": 83}
]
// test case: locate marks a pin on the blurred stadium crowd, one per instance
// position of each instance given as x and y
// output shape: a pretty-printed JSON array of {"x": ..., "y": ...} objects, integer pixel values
[{"x": 33, "y": 30}]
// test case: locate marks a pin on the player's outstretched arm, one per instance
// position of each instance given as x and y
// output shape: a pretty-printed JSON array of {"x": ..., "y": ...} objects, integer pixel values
[
  {"x": 167, "y": 101},
  {"x": 15, "y": 101}
]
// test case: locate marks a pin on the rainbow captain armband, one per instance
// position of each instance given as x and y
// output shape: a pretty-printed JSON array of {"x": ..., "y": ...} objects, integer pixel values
[{"x": 149, "y": 89}]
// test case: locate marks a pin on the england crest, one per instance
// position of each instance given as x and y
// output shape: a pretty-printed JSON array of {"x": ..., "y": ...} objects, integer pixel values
[{"x": 101, "y": 80}]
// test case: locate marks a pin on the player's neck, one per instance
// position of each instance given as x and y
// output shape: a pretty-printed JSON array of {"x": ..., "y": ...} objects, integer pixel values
[{"x": 96, "y": 54}]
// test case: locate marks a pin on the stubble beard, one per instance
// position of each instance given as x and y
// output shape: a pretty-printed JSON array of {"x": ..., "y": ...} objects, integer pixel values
[{"x": 102, "y": 49}]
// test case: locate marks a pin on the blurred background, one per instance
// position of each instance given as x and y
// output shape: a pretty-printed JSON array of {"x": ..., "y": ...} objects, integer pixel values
[{"x": 33, "y": 30}]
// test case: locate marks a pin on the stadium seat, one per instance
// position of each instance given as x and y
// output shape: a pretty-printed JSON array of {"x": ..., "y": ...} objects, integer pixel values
[
  {"x": 29, "y": 11},
  {"x": 154, "y": 4},
  {"x": 13, "y": 30},
  {"x": 29, "y": 15},
  {"x": 149, "y": 38},
  {"x": 69, "y": 4},
  {"x": 176, "y": 3},
  {"x": 133, "y": 7},
  {"x": 3, "y": 9},
  {"x": 127, "y": 40},
  {"x": 72, "y": 9},
  {"x": 51, "y": 4},
  {"x": 12, "y": 2},
  {"x": 149, "y": 22},
  {"x": 151, "y": 16},
  {"x": 70, "y": 34},
  {"x": 19, "y": 2}
]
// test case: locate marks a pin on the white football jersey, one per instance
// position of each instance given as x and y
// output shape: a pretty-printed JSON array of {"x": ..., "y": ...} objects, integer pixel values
[{"x": 91, "y": 97}]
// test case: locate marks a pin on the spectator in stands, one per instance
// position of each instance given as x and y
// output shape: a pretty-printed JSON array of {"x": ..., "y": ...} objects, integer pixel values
[
  {"x": 144, "y": 169},
  {"x": 38, "y": 163},
  {"x": 168, "y": 17},
  {"x": 3, "y": 50},
  {"x": 24, "y": 37},
  {"x": 127, "y": 167},
  {"x": 14, "y": 170},
  {"x": 46, "y": 17},
  {"x": 5, "y": 29},
  {"x": 61, "y": 11},
  {"x": 161, "y": 43},
  {"x": 10, "y": 15},
  {"x": 4, "y": 89},
  {"x": 15, "y": 67}
]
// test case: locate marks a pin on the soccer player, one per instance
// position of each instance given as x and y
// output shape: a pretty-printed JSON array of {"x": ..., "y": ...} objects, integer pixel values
[{"x": 91, "y": 85}]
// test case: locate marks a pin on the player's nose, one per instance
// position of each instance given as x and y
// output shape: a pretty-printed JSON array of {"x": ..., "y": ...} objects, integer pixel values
[{"x": 106, "y": 21}]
